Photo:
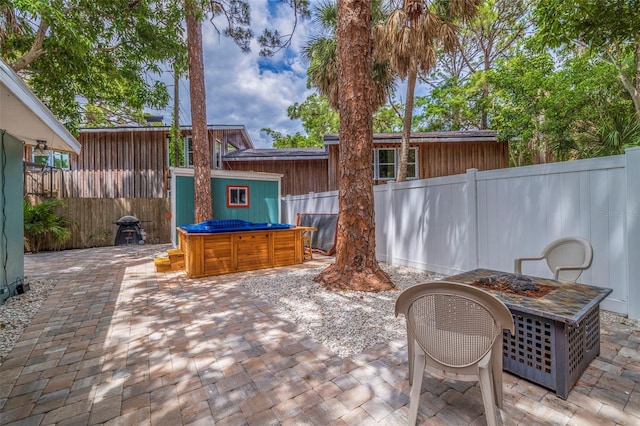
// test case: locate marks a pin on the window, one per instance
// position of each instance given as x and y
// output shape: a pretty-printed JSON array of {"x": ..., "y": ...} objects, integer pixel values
[
  {"x": 188, "y": 151},
  {"x": 385, "y": 163},
  {"x": 237, "y": 196},
  {"x": 57, "y": 159},
  {"x": 218, "y": 155}
]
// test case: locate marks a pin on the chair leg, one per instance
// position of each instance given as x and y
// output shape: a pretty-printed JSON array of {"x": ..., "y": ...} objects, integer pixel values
[
  {"x": 418, "y": 371},
  {"x": 496, "y": 375},
  {"x": 487, "y": 389},
  {"x": 410, "y": 345}
]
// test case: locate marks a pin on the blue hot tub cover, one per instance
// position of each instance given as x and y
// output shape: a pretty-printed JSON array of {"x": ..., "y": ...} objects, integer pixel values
[{"x": 230, "y": 225}]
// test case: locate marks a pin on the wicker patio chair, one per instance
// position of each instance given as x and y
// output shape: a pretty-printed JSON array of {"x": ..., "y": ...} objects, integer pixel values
[
  {"x": 566, "y": 257},
  {"x": 455, "y": 330}
]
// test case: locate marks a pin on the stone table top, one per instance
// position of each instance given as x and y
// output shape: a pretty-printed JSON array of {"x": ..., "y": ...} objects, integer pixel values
[{"x": 568, "y": 302}]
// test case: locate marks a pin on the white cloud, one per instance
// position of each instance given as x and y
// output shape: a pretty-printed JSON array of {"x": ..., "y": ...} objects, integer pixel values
[{"x": 245, "y": 89}]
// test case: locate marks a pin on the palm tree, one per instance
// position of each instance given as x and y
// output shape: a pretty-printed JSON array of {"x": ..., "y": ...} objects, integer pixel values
[
  {"x": 356, "y": 267},
  {"x": 410, "y": 37},
  {"x": 321, "y": 53}
]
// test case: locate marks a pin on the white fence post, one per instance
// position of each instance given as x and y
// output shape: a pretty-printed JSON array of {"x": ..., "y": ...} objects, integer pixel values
[
  {"x": 633, "y": 230},
  {"x": 472, "y": 210}
]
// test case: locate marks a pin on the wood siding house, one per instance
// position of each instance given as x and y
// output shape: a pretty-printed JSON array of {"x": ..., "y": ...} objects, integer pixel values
[
  {"x": 133, "y": 162},
  {"x": 121, "y": 162},
  {"x": 432, "y": 154}
]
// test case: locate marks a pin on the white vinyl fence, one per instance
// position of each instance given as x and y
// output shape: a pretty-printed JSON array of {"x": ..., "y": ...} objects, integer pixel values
[{"x": 486, "y": 219}]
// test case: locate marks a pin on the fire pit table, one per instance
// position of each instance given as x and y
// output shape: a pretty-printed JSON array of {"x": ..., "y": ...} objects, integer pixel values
[{"x": 557, "y": 325}]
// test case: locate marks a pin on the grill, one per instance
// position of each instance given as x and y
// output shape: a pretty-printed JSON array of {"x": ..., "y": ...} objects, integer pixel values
[{"x": 129, "y": 231}]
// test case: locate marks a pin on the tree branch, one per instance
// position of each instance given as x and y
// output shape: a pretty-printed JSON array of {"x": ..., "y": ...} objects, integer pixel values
[{"x": 37, "y": 49}]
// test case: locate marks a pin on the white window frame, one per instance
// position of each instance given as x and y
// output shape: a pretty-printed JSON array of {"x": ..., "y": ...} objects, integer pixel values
[
  {"x": 52, "y": 157},
  {"x": 396, "y": 157}
]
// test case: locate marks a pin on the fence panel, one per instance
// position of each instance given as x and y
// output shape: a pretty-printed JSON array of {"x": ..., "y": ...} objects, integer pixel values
[
  {"x": 93, "y": 219},
  {"x": 486, "y": 219},
  {"x": 520, "y": 212}
]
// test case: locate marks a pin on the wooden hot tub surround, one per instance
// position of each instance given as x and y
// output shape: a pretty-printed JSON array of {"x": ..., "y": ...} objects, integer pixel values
[{"x": 236, "y": 251}]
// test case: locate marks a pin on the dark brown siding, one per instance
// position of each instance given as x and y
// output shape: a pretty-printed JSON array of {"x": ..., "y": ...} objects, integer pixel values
[
  {"x": 333, "y": 167},
  {"x": 118, "y": 164},
  {"x": 441, "y": 158},
  {"x": 452, "y": 158},
  {"x": 299, "y": 176}
]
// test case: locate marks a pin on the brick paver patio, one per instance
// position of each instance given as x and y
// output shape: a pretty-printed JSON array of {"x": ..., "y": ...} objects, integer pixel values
[{"x": 117, "y": 343}]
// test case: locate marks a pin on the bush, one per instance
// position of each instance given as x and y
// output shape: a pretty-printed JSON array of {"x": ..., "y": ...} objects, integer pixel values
[{"x": 41, "y": 222}]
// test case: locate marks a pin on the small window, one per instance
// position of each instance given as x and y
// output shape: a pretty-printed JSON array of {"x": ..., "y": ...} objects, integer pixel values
[
  {"x": 188, "y": 151},
  {"x": 385, "y": 163},
  {"x": 56, "y": 159},
  {"x": 218, "y": 155},
  {"x": 237, "y": 196}
]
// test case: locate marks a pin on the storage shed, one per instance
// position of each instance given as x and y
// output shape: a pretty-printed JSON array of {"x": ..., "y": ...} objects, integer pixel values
[{"x": 254, "y": 197}]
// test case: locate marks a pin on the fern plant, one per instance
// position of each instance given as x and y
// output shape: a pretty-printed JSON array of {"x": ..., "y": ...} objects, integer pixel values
[{"x": 41, "y": 222}]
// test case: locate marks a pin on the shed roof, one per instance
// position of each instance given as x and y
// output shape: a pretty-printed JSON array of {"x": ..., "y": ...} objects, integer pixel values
[
  {"x": 427, "y": 137},
  {"x": 277, "y": 154},
  {"x": 26, "y": 118}
]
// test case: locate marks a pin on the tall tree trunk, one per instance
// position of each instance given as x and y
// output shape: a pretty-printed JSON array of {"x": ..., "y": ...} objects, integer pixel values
[
  {"x": 412, "y": 76},
  {"x": 355, "y": 267},
  {"x": 176, "y": 136},
  {"x": 201, "y": 153}
]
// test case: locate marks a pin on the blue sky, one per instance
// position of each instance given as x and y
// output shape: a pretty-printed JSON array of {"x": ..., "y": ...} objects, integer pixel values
[{"x": 245, "y": 89}]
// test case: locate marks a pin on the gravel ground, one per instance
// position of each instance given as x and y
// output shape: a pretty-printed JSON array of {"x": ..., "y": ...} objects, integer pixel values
[
  {"x": 347, "y": 322},
  {"x": 17, "y": 311}
]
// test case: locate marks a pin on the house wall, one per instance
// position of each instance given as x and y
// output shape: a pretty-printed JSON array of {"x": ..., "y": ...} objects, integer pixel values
[
  {"x": 298, "y": 176},
  {"x": 439, "y": 158},
  {"x": 487, "y": 219},
  {"x": 12, "y": 219},
  {"x": 123, "y": 164}
]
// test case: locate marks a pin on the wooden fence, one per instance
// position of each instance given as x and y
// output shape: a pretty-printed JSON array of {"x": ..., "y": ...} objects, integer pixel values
[
  {"x": 93, "y": 219},
  {"x": 95, "y": 183}
]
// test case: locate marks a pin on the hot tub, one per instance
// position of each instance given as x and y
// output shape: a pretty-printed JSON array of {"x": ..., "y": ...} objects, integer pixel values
[
  {"x": 224, "y": 246},
  {"x": 214, "y": 226}
]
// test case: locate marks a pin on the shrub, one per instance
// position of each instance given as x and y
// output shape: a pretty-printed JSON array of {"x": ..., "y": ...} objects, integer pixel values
[{"x": 41, "y": 222}]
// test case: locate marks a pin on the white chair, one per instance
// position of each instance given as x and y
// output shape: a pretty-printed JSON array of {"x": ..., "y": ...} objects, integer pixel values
[
  {"x": 455, "y": 330},
  {"x": 566, "y": 257}
]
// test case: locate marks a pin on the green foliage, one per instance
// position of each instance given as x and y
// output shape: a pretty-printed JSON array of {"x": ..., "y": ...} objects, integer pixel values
[
  {"x": 608, "y": 29},
  {"x": 41, "y": 222},
  {"x": 601, "y": 24},
  {"x": 321, "y": 52},
  {"x": 318, "y": 119},
  {"x": 613, "y": 138},
  {"x": 90, "y": 56},
  {"x": 388, "y": 119},
  {"x": 297, "y": 140},
  {"x": 450, "y": 106}
]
